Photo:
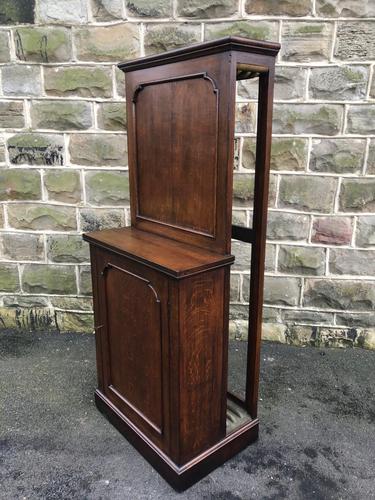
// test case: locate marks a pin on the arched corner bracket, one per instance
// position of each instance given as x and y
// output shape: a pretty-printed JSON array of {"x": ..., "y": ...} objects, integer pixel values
[
  {"x": 212, "y": 81},
  {"x": 147, "y": 282},
  {"x": 137, "y": 91},
  {"x": 203, "y": 75}
]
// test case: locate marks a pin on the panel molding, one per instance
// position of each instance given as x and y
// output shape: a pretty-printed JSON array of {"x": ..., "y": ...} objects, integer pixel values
[
  {"x": 177, "y": 229},
  {"x": 190, "y": 76}
]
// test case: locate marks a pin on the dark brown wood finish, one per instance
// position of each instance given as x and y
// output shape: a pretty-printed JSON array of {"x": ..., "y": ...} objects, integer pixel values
[{"x": 161, "y": 287}]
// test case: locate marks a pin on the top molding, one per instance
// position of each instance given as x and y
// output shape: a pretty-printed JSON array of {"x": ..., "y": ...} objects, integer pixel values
[{"x": 228, "y": 43}]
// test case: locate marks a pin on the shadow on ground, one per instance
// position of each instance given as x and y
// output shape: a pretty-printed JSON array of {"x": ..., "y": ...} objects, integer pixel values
[{"x": 317, "y": 414}]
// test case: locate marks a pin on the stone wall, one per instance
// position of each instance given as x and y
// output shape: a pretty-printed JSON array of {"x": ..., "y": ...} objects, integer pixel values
[{"x": 63, "y": 163}]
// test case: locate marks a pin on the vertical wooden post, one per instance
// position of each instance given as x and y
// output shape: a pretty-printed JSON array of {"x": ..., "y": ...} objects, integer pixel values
[{"x": 262, "y": 166}]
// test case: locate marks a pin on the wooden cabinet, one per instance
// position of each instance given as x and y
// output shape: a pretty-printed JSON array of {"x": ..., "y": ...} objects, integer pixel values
[{"x": 161, "y": 286}]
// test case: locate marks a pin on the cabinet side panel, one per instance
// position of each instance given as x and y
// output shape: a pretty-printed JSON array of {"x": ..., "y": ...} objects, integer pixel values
[
  {"x": 201, "y": 362},
  {"x": 133, "y": 345},
  {"x": 98, "y": 319}
]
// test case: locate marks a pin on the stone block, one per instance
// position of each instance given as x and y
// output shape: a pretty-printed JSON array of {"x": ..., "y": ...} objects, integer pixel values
[
  {"x": 236, "y": 154},
  {"x": 85, "y": 282},
  {"x": 336, "y": 337},
  {"x": 258, "y": 30},
  {"x": 278, "y": 8},
  {"x": 339, "y": 82},
  {"x": 246, "y": 288},
  {"x": 300, "y": 335},
  {"x": 36, "y": 149},
  {"x": 28, "y": 319},
  {"x": 246, "y": 117},
  {"x": 41, "y": 216},
  {"x": 287, "y": 226},
  {"x": 72, "y": 303},
  {"x": 341, "y": 156},
  {"x": 206, "y": 9},
  {"x": 366, "y": 339},
  {"x": 238, "y": 330},
  {"x": 239, "y": 217},
  {"x": 274, "y": 332},
  {"x": 355, "y": 40},
  {"x": 306, "y": 41},
  {"x": 288, "y": 154},
  {"x": 270, "y": 261},
  {"x": 9, "y": 280},
  {"x": 324, "y": 119},
  {"x": 1, "y": 217},
  {"x": 301, "y": 260},
  {"x": 296, "y": 316},
  {"x": 95, "y": 219},
  {"x": 4, "y": 46},
  {"x": 234, "y": 287},
  {"x": 81, "y": 81},
  {"x": 282, "y": 290},
  {"x": 21, "y": 80},
  {"x": 61, "y": 115},
  {"x": 112, "y": 116},
  {"x": 149, "y": 8},
  {"x": 25, "y": 301},
  {"x": 162, "y": 37},
  {"x": 19, "y": 184},
  {"x": 339, "y": 294},
  {"x": 351, "y": 261},
  {"x": 372, "y": 87},
  {"x": 17, "y": 11},
  {"x": 43, "y": 44},
  {"x": 106, "y": 10},
  {"x": 345, "y": 8},
  {"x": 243, "y": 190},
  {"x": 290, "y": 82},
  {"x": 365, "y": 235},
  {"x": 12, "y": 114},
  {"x": 242, "y": 253},
  {"x": 63, "y": 11},
  {"x": 48, "y": 278},
  {"x": 361, "y": 119},
  {"x": 120, "y": 82},
  {"x": 357, "y": 195},
  {"x": 307, "y": 193},
  {"x": 371, "y": 158},
  {"x": 107, "y": 187},
  {"x": 98, "y": 149},
  {"x": 332, "y": 230},
  {"x": 2, "y": 152},
  {"x": 74, "y": 322},
  {"x": 238, "y": 311},
  {"x": 271, "y": 314},
  {"x": 63, "y": 185},
  {"x": 356, "y": 320},
  {"x": 67, "y": 248},
  {"x": 21, "y": 246},
  {"x": 116, "y": 42}
]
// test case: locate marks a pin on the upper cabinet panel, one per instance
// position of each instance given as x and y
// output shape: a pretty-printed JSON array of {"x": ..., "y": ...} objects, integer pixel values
[
  {"x": 181, "y": 118},
  {"x": 176, "y": 130}
]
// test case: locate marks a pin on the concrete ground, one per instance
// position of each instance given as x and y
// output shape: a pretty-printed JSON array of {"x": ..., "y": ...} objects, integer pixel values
[{"x": 317, "y": 438}]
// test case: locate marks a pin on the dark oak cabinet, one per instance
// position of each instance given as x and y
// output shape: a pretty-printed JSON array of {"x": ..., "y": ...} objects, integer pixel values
[{"x": 161, "y": 286}]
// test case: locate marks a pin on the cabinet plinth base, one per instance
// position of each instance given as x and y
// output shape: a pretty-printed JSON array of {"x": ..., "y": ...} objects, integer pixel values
[{"x": 179, "y": 477}]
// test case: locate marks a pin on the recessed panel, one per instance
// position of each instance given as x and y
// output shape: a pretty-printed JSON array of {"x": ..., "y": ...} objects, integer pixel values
[
  {"x": 135, "y": 336},
  {"x": 176, "y": 152}
]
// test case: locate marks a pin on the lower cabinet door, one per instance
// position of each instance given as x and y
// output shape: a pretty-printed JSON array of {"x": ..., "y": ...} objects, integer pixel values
[{"x": 134, "y": 342}]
